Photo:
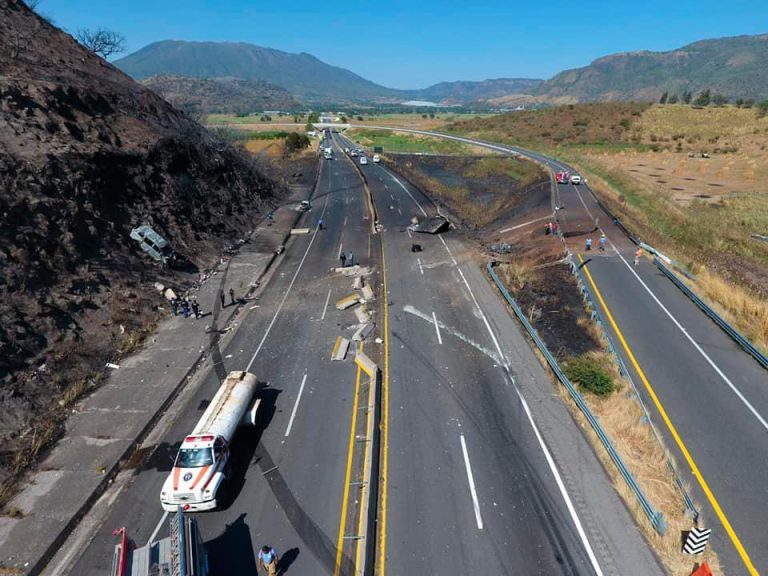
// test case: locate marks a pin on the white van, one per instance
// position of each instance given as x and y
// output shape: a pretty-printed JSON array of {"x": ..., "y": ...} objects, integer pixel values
[
  {"x": 363, "y": 160},
  {"x": 376, "y": 158}
]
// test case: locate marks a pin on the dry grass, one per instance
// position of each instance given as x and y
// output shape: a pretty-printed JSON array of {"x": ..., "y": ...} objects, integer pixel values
[
  {"x": 621, "y": 416},
  {"x": 746, "y": 311}
]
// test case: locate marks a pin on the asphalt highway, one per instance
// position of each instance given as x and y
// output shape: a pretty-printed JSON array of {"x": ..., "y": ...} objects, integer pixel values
[
  {"x": 289, "y": 472},
  {"x": 706, "y": 395},
  {"x": 483, "y": 469},
  {"x": 471, "y": 487}
]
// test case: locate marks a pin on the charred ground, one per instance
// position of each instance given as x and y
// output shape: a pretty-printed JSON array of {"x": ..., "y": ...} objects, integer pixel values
[{"x": 86, "y": 154}]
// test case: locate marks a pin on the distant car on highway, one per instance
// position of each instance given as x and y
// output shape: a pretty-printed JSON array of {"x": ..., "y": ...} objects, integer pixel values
[
  {"x": 353, "y": 153},
  {"x": 363, "y": 160},
  {"x": 304, "y": 206},
  {"x": 576, "y": 179},
  {"x": 376, "y": 158},
  {"x": 562, "y": 177}
]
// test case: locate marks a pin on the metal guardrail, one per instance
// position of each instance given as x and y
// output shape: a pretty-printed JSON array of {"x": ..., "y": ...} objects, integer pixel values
[
  {"x": 655, "y": 517},
  {"x": 714, "y": 316},
  {"x": 598, "y": 318}
]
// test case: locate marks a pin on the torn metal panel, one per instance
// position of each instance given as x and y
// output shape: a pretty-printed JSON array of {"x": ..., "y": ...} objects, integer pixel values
[{"x": 433, "y": 225}]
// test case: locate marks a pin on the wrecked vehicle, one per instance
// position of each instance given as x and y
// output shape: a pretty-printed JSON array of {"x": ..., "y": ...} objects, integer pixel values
[{"x": 153, "y": 244}]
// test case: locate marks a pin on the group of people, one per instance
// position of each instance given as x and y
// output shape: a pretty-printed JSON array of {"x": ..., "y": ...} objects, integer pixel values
[
  {"x": 602, "y": 241},
  {"x": 551, "y": 228},
  {"x": 187, "y": 306}
]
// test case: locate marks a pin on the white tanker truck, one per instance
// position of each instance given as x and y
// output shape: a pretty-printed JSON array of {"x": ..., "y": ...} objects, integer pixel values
[{"x": 195, "y": 483}]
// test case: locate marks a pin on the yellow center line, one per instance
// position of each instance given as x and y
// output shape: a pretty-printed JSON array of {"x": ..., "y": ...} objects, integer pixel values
[
  {"x": 694, "y": 468},
  {"x": 348, "y": 476},
  {"x": 384, "y": 424}
]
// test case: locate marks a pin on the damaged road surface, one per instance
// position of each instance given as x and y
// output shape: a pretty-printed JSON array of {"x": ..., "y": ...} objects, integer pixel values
[{"x": 288, "y": 473}]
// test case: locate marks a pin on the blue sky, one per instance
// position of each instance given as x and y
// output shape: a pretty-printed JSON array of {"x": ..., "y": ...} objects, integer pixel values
[{"x": 414, "y": 44}]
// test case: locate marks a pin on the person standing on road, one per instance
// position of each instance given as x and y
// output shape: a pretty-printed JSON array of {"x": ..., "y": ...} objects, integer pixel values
[
  {"x": 320, "y": 224},
  {"x": 185, "y": 308},
  {"x": 175, "y": 306},
  {"x": 351, "y": 258},
  {"x": 555, "y": 228},
  {"x": 588, "y": 244},
  {"x": 195, "y": 308},
  {"x": 638, "y": 255},
  {"x": 268, "y": 560},
  {"x": 602, "y": 242},
  {"x": 232, "y": 295},
  {"x": 343, "y": 258},
  {"x": 221, "y": 297}
]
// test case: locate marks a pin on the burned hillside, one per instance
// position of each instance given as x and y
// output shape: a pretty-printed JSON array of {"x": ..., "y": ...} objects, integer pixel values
[{"x": 87, "y": 154}]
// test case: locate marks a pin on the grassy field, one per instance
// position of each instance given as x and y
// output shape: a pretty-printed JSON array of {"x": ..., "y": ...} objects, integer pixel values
[
  {"x": 406, "y": 143},
  {"x": 646, "y": 162},
  {"x": 416, "y": 120}
]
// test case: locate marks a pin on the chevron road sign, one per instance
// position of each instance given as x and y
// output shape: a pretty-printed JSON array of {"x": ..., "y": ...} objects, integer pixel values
[{"x": 697, "y": 540}]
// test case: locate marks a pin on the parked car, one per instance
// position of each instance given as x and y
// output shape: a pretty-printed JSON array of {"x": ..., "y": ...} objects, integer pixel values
[
  {"x": 376, "y": 158},
  {"x": 304, "y": 206},
  {"x": 576, "y": 179}
]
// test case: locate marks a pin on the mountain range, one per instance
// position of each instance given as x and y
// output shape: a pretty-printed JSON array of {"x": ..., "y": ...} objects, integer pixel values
[
  {"x": 220, "y": 95},
  {"x": 735, "y": 66}
]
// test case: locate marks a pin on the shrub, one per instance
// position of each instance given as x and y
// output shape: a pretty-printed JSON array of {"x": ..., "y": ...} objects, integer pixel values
[
  {"x": 587, "y": 372},
  {"x": 295, "y": 142}
]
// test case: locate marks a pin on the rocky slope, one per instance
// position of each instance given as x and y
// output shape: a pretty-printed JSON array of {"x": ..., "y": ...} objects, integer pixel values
[
  {"x": 735, "y": 67},
  {"x": 86, "y": 154},
  {"x": 221, "y": 95}
]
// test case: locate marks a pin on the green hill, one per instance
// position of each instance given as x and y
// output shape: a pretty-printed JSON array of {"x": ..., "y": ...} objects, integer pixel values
[
  {"x": 736, "y": 67},
  {"x": 301, "y": 74}
]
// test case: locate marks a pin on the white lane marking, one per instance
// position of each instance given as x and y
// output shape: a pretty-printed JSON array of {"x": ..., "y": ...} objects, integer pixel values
[
  {"x": 327, "y": 299},
  {"x": 287, "y": 292},
  {"x": 550, "y": 461},
  {"x": 561, "y": 486},
  {"x": 421, "y": 269},
  {"x": 341, "y": 244},
  {"x": 157, "y": 528},
  {"x": 386, "y": 188},
  {"x": 471, "y": 479},
  {"x": 410, "y": 234},
  {"x": 444, "y": 328},
  {"x": 525, "y": 224},
  {"x": 392, "y": 196},
  {"x": 399, "y": 211},
  {"x": 706, "y": 357},
  {"x": 345, "y": 220},
  {"x": 437, "y": 328},
  {"x": 296, "y": 406},
  {"x": 408, "y": 192}
]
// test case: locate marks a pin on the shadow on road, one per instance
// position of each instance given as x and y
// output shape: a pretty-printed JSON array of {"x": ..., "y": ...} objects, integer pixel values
[
  {"x": 310, "y": 533},
  {"x": 246, "y": 441},
  {"x": 231, "y": 554},
  {"x": 286, "y": 560}
]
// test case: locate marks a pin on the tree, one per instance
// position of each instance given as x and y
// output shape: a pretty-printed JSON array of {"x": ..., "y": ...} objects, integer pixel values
[
  {"x": 343, "y": 119},
  {"x": 720, "y": 99},
  {"x": 762, "y": 109},
  {"x": 703, "y": 99},
  {"x": 431, "y": 114},
  {"x": 295, "y": 142},
  {"x": 101, "y": 42},
  {"x": 672, "y": 99},
  {"x": 739, "y": 102},
  {"x": 687, "y": 97},
  {"x": 663, "y": 99},
  {"x": 359, "y": 118}
]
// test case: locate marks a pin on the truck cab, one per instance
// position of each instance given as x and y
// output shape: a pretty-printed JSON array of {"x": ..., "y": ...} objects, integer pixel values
[{"x": 198, "y": 471}]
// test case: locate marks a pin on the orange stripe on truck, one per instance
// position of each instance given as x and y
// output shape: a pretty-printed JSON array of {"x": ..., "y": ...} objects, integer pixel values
[
  {"x": 176, "y": 472},
  {"x": 200, "y": 475}
]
